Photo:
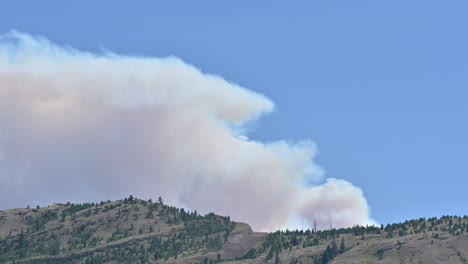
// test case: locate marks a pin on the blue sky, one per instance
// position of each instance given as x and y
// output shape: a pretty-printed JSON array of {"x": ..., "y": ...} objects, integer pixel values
[{"x": 380, "y": 86}]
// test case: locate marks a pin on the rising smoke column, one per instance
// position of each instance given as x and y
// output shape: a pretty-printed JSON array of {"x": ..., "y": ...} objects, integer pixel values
[{"x": 77, "y": 126}]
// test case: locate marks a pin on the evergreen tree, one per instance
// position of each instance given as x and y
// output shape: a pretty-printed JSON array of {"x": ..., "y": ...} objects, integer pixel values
[
  {"x": 342, "y": 245},
  {"x": 277, "y": 259}
]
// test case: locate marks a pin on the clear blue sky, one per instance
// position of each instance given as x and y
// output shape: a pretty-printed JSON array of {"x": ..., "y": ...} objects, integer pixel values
[{"x": 380, "y": 86}]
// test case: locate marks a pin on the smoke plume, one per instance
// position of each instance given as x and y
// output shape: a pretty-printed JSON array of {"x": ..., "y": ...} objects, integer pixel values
[{"x": 77, "y": 126}]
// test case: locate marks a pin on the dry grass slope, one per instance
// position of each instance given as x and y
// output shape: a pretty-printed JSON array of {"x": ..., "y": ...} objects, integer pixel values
[{"x": 138, "y": 231}]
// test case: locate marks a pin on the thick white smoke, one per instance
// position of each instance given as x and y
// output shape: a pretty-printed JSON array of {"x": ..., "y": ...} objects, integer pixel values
[{"x": 76, "y": 126}]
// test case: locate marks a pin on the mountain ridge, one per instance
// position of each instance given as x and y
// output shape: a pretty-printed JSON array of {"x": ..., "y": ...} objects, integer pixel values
[{"x": 138, "y": 231}]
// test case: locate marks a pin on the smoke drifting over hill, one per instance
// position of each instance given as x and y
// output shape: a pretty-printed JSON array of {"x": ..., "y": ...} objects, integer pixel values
[{"x": 76, "y": 126}]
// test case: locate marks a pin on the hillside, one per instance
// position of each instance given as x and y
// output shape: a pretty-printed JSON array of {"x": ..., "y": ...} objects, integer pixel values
[{"x": 138, "y": 231}]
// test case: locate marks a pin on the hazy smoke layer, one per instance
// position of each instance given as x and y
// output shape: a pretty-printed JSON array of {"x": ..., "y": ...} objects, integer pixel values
[{"x": 76, "y": 126}]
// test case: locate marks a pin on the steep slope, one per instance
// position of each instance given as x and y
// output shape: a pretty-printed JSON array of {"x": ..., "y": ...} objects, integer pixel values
[
  {"x": 109, "y": 231},
  {"x": 138, "y": 231}
]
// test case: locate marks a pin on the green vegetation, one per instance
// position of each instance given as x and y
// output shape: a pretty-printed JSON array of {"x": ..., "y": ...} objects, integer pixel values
[
  {"x": 287, "y": 240},
  {"x": 80, "y": 228},
  {"x": 138, "y": 231}
]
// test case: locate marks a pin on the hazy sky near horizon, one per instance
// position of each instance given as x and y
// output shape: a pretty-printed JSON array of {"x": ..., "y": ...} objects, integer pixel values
[{"x": 379, "y": 86}]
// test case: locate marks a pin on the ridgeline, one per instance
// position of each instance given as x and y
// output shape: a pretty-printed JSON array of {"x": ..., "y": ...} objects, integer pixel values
[{"x": 138, "y": 231}]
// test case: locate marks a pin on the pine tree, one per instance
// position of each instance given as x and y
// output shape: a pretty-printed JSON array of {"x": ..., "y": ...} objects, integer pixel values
[
  {"x": 342, "y": 245},
  {"x": 277, "y": 259}
]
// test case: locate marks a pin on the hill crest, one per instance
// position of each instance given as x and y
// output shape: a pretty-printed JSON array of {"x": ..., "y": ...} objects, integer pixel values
[{"x": 138, "y": 231}]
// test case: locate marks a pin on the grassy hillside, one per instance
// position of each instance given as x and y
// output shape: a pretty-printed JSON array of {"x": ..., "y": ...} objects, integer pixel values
[
  {"x": 138, "y": 231},
  {"x": 125, "y": 230}
]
